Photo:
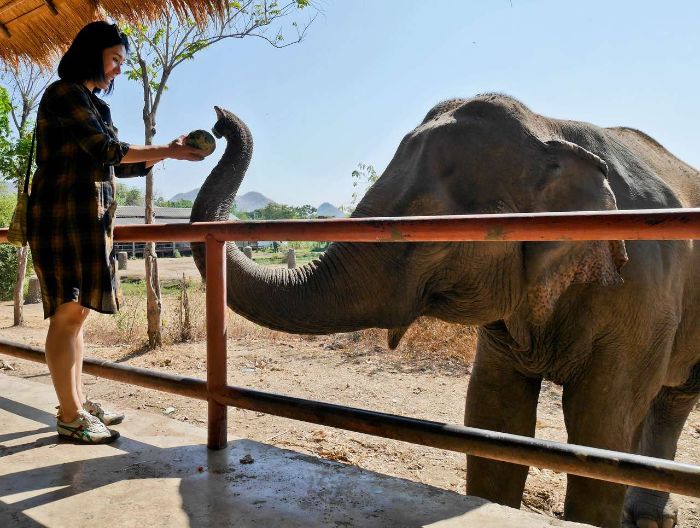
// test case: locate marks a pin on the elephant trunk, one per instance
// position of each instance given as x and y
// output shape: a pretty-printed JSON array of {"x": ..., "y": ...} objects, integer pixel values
[{"x": 335, "y": 293}]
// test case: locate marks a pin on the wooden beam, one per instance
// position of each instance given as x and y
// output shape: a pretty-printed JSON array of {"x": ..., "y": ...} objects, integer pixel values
[
  {"x": 5, "y": 32},
  {"x": 9, "y": 5},
  {"x": 52, "y": 8}
]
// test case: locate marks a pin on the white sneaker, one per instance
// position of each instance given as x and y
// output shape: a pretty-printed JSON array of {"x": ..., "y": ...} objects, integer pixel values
[
  {"x": 87, "y": 429},
  {"x": 105, "y": 416}
]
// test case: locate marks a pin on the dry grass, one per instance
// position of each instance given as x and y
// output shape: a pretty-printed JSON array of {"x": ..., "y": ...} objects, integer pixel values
[
  {"x": 130, "y": 324},
  {"x": 426, "y": 340},
  {"x": 429, "y": 338}
]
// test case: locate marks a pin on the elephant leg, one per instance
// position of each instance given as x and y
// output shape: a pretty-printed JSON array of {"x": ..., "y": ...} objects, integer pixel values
[
  {"x": 659, "y": 438},
  {"x": 499, "y": 399},
  {"x": 600, "y": 415}
]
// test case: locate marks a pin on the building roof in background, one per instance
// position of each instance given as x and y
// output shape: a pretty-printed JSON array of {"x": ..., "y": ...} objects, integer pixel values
[
  {"x": 41, "y": 30},
  {"x": 135, "y": 214},
  {"x": 139, "y": 211}
]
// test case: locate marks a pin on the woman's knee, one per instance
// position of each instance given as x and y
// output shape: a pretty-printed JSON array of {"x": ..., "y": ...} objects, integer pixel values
[{"x": 70, "y": 315}]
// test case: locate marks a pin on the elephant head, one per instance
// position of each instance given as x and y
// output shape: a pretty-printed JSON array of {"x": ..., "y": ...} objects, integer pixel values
[{"x": 489, "y": 154}]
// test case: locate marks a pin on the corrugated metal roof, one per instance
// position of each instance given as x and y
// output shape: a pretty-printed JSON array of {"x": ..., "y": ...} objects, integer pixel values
[
  {"x": 139, "y": 211},
  {"x": 135, "y": 214},
  {"x": 136, "y": 220}
]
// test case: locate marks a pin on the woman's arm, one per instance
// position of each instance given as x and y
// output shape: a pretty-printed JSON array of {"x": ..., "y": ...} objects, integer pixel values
[
  {"x": 176, "y": 149},
  {"x": 132, "y": 163},
  {"x": 71, "y": 106}
]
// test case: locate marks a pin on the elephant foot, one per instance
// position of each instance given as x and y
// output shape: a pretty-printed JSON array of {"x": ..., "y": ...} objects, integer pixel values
[{"x": 648, "y": 509}]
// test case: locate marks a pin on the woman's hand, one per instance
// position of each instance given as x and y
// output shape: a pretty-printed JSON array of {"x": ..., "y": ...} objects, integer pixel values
[{"x": 177, "y": 149}]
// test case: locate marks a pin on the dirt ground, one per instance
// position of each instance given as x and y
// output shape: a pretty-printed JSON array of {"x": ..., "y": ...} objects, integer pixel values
[{"x": 339, "y": 369}]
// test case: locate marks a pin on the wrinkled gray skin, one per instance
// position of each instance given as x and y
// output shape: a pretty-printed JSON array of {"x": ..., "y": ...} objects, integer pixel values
[{"x": 626, "y": 353}]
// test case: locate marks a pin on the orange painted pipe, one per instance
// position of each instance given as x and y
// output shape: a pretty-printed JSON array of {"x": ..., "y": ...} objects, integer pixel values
[
  {"x": 614, "y": 225},
  {"x": 216, "y": 339},
  {"x": 652, "y": 224}
]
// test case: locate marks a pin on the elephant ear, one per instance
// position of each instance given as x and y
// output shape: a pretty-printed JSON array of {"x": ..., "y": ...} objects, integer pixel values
[{"x": 571, "y": 179}]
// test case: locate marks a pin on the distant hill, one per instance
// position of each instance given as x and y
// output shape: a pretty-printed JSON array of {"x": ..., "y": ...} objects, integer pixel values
[
  {"x": 329, "y": 211},
  {"x": 251, "y": 201},
  {"x": 189, "y": 195},
  {"x": 246, "y": 203}
]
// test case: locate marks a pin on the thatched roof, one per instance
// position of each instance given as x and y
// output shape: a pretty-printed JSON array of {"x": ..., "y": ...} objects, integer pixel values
[{"x": 41, "y": 30}]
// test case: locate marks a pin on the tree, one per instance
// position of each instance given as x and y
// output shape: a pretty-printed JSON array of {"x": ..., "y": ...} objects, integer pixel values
[
  {"x": 26, "y": 82},
  {"x": 126, "y": 195},
  {"x": 162, "y": 202},
  {"x": 306, "y": 211},
  {"x": 158, "y": 49},
  {"x": 275, "y": 211},
  {"x": 7, "y": 207},
  {"x": 363, "y": 177}
]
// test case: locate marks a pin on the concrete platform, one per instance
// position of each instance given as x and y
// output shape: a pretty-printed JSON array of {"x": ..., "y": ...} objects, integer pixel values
[{"x": 159, "y": 473}]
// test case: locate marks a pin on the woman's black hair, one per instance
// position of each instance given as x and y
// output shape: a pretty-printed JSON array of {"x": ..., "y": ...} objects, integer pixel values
[{"x": 83, "y": 60}]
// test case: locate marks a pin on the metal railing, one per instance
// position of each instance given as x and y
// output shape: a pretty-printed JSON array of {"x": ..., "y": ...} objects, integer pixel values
[{"x": 623, "y": 468}]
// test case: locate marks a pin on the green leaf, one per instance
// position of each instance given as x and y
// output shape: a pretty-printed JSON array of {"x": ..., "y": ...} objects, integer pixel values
[{"x": 158, "y": 35}]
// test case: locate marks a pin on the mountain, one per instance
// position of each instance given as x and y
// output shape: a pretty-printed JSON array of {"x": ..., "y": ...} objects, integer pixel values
[
  {"x": 246, "y": 203},
  {"x": 329, "y": 211},
  {"x": 251, "y": 201},
  {"x": 190, "y": 195}
]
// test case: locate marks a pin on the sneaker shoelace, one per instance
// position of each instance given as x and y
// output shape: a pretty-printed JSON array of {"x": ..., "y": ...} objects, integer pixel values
[
  {"x": 84, "y": 425},
  {"x": 90, "y": 422},
  {"x": 90, "y": 405}
]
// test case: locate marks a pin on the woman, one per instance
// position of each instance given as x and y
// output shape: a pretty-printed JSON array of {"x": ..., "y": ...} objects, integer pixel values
[{"x": 71, "y": 213}]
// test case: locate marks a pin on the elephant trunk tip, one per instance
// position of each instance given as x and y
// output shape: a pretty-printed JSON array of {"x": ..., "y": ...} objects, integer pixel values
[
  {"x": 394, "y": 336},
  {"x": 219, "y": 116}
]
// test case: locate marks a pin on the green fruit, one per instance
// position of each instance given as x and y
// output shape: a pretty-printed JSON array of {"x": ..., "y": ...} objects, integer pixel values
[{"x": 202, "y": 140}]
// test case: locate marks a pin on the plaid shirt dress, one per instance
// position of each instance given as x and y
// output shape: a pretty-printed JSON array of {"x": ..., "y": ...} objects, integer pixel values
[{"x": 72, "y": 199}]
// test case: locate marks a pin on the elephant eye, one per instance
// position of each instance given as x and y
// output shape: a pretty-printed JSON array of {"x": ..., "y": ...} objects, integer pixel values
[
  {"x": 553, "y": 167},
  {"x": 447, "y": 171},
  {"x": 552, "y": 170}
]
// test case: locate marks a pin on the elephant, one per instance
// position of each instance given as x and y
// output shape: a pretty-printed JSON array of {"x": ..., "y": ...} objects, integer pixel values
[{"x": 613, "y": 322}]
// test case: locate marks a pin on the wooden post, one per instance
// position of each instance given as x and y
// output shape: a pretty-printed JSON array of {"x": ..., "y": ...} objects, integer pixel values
[
  {"x": 34, "y": 293},
  {"x": 291, "y": 258},
  {"x": 122, "y": 260},
  {"x": 216, "y": 339}
]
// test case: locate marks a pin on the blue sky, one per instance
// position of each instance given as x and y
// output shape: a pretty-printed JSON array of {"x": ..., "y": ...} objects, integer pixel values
[{"x": 368, "y": 72}]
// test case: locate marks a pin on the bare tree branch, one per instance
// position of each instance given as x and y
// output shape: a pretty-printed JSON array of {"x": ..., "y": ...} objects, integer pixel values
[{"x": 27, "y": 83}]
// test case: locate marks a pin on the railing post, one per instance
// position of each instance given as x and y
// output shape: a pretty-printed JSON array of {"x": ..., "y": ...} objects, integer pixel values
[{"x": 216, "y": 339}]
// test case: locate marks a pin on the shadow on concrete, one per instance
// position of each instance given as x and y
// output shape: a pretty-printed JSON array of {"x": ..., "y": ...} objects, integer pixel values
[{"x": 203, "y": 487}]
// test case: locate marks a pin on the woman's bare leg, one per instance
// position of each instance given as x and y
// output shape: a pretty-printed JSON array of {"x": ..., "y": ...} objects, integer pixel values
[
  {"x": 79, "y": 366},
  {"x": 62, "y": 356}
]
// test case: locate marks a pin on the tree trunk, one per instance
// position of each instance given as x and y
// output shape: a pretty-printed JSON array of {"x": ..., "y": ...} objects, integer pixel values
[
  {"x": 153, "y": 300},
  {"x": 22, "y": 257}
]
